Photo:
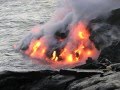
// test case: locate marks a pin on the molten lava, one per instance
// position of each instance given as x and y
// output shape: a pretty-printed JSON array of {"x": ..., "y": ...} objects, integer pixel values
[
  {"x": 77, "y": 49},
  {"x": 54, "y": 56},
  {"x": 36, "y": 49}
]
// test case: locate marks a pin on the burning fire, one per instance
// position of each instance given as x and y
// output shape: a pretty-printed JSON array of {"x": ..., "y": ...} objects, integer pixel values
[
  {"x": 54, "y": 56},
  {"x": 77, "y": 49},
  {"x": 36, "y": 49}
]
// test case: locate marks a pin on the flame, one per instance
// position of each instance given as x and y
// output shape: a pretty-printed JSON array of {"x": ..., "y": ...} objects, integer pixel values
[
  {"x": 77, "y": 49},
  {"x": 89, "y": 52},
  {"x": 69, "y": 58},
  {"x": 81, "y": 35},
  {"x": 54, "y": 56},
  {"x": 35, "y": 48}
]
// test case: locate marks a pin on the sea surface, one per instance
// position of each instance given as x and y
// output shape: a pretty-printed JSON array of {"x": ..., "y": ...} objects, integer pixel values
[{"x": 17, "y": 18}]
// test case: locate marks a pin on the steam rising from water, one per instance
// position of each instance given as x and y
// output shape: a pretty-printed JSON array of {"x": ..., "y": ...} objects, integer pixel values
[{"x": 68, "y": 14}]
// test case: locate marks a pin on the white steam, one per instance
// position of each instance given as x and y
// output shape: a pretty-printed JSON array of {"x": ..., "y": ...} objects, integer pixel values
[{"x": 67, "y": 14}]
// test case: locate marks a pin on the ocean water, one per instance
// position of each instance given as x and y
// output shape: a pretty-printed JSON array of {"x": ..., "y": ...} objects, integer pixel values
[{"x": 17, "y": 17}]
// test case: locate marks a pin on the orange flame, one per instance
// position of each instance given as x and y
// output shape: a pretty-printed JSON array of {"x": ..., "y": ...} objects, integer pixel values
[
  {"x": 81, "y": 35},
  {"x": 35, "y": 48},
  {"x": 54, "y": 56},
  {"x": 69, "y": 58},
  {"x": 89, "y": 52},
  {"x": 77, "y": 49}
]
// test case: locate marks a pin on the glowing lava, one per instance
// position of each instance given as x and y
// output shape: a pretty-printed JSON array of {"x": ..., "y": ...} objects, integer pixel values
[
  {"x": 77, "y": 49},
  {"x": 54, "y": 56},
  {"x": 37, "y": 49}
]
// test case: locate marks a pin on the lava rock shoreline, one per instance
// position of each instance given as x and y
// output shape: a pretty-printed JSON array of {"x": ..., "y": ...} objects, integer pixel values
[{"x": 52, "y": 80}]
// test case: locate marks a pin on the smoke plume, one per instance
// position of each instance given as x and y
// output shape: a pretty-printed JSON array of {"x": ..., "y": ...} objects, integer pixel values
[{"x": 71, "y": 13}]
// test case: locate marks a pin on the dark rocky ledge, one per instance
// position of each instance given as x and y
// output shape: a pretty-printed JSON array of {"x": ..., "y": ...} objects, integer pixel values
[{"x": 59, "y": 80}]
